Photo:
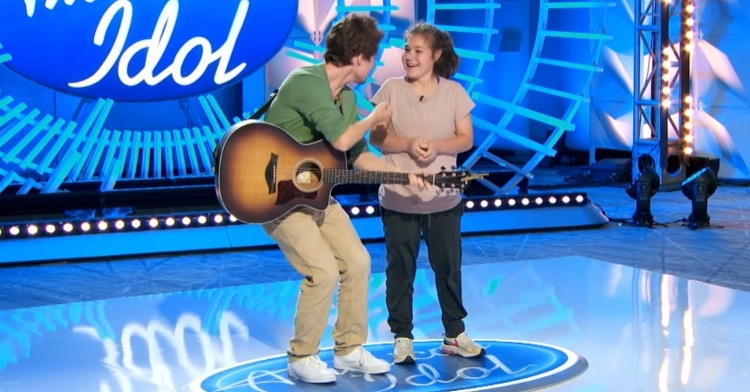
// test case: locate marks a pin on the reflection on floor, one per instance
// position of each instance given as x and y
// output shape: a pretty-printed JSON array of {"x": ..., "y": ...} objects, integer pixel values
[{"x": 637, "y": 330}]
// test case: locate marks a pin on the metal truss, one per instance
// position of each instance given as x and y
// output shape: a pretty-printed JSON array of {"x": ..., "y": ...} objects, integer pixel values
[{"x": 662, "y": 104}]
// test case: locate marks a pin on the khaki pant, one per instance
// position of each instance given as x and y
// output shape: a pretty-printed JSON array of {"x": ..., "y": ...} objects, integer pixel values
[{"x": 324, "y": 247}]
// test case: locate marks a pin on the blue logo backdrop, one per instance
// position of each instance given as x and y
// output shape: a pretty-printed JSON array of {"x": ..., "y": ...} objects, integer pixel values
[
  {"x": 508, "y": 366},
  {"x": 142, "y": 50}
]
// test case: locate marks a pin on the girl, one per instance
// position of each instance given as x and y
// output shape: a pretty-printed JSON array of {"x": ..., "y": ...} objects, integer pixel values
[{"x": 430, "y": 125}]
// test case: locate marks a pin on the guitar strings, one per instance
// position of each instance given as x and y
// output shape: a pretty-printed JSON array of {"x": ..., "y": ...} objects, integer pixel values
[
  {"x": 283, "y": 171},
  {"x": 344, "y": 172}
]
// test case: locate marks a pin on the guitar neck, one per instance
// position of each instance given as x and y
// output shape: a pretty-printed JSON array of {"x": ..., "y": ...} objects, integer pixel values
[{"x": 339, "y": 176}]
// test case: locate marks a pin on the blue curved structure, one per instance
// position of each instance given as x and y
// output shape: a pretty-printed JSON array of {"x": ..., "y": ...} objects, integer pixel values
[
  {"x": 575, "y": 97},
  {"x": 40, "y": 151}
]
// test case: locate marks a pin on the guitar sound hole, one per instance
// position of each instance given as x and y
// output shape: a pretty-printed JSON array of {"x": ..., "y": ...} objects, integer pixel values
[{"x": 308, "y": 176}]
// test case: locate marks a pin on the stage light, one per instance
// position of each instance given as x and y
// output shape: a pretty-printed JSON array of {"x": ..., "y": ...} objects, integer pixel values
[
  {"x": 68, "y": 227},
  {"x": 85, "y": 226},
  {"x": 136, "y": 223},
  {"x": 355, "y": 210},
  {"x": 169, "y": 221},
  {"x": 119, "y": 225},
  {"x": 218, "y": 218},
  {"x": 370, "y": 210},
  {"x": 202, "y": 220},
  {"x": 186, "y": 221},
  {"x": 642, "y": 189},
  {"x": 50, "y": 229},
  {"x": 153, "y": 222},
  {"x": 14, "y": 231},
  {"x": 484, "y": 203},
  {"x": 698, "y": 188},
  {"x": 498, "y": 202},
  {"x": 32, "y": 230}
]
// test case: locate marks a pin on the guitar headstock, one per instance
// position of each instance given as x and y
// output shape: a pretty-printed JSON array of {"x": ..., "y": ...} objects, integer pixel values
[{"x": 453, "y": 181}]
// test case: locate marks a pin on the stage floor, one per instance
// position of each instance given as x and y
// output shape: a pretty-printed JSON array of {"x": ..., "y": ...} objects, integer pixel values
[{"x": 635, "y": 330}]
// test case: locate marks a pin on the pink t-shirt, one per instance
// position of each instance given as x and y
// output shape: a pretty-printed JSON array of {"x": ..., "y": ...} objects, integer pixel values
[{"x": 433, "y": 117}]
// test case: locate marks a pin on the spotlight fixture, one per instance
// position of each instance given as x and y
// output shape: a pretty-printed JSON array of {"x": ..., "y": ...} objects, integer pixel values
[
  {"x": 642, "y": 189},
  {"x": 698, "y": 188}
]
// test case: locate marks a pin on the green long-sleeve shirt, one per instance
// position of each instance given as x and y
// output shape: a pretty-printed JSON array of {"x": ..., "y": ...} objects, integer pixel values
[{"x": 307, "y": 110}]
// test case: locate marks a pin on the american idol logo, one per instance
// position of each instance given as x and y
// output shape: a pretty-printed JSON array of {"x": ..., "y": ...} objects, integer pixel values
[
  {"x": 508, "y": 366},
  {"x": 142, "y": 50}
]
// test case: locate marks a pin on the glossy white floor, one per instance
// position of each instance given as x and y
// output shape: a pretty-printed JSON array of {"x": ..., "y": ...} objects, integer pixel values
[{"x": 637, "y": 331}]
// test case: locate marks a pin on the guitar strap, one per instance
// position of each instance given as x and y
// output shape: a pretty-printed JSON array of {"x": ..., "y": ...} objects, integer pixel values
[{"x": 258, "y": 114}]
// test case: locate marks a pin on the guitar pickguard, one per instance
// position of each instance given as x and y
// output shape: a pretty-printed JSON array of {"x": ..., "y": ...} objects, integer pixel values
[
  {"x": 271, "y": 173},
  {"x": 287, "y": 192}
]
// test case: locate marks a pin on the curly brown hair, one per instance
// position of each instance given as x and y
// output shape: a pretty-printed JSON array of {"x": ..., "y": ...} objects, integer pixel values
[
  {"x": 447, "y": 65},
  {"x": 352, "y": 36}
]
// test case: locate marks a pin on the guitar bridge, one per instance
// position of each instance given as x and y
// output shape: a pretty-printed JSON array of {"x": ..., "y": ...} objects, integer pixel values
[
  {"x": 271, "y": 173},
  {"x": 288, "y": 192}
]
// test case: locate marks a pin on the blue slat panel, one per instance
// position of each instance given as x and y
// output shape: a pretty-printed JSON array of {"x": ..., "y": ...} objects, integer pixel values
[
  {"x": 179, "y": 150},
  {"x": 42, "y": 125},
  {"x": 65, "y": 136},
  {"x": 113, "y": 144},
  {"x": 168, "y": 155},
  {"x": 192, "y": 165},
  {"x": 209, "y": 112},
  {"x": 224, "y": 123},
  {"x": 28, "y": 185},
  {"x": 522, "y": 111},
  {"x": 203, "y": 153},
  {"x": 6, "y": 178},
  {"x": 96, "y": 158},
  {"x": 158, "y": 155},
  {"x": 111, "y": 176},
  {"x": 136, "y": 148},
  {"x": 11, "y": 114},
  {"x": 93, "y": 124},
  {"x": 55, "y": 131},
  {"x": 211, "y": 137},
  {"x": 10, "y": 131},
  {"x": 124, "y": 153},
  {"x": 148, "y": 146},
  {"x": 62, "y": 171}
]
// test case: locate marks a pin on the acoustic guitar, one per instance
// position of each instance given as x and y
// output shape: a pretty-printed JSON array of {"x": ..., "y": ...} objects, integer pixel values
[{"x": 262, "y": 173}]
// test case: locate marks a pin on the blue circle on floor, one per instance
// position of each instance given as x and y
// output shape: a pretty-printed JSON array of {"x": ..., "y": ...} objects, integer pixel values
[{"x": 507, "y": 366}]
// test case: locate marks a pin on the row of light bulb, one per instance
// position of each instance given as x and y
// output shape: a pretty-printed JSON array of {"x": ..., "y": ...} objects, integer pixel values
[
  {"x": 525, "y": 201},
  {"x": 119, "y": 224},
  {"x": 369, "y": 210},
  {"x": 687, "y": 109},
  {"x": 686, "y": 132}
]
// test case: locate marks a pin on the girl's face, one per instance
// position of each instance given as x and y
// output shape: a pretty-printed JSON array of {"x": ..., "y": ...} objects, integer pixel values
[{"x": 418, "y": 59}]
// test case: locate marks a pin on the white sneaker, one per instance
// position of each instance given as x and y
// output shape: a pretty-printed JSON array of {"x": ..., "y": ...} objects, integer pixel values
[
  {"x": 403, "y": 351},
  {"x": 461, "y": 345},
  {"x": 311, "y": 370},
  {"x": 361, "y": 360}
]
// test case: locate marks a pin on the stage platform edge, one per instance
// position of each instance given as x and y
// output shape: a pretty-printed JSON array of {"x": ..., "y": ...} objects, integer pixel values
[{"x": 246, "y": 237}]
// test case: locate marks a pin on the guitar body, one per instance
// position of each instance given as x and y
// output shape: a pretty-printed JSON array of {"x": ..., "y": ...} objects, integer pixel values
[{"x": 262, "y": 172}]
